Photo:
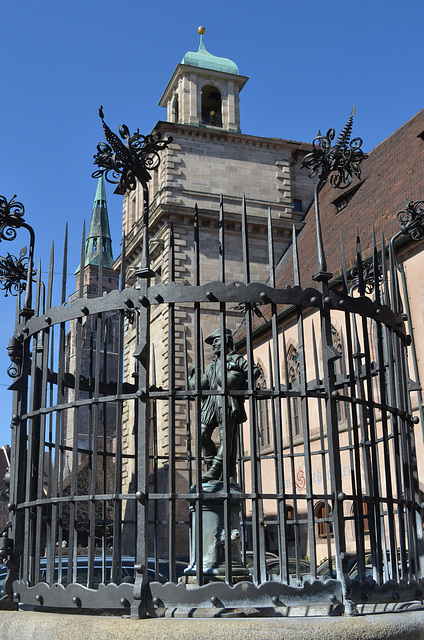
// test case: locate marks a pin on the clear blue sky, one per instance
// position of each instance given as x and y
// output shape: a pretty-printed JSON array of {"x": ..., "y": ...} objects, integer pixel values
[{"x": 308, "y": 62}]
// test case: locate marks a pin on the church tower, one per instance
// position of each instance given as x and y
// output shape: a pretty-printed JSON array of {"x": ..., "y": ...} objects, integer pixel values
[
  {"x": 98, "y": 339},
  {"x": 209, "y": 157},
  {"x": 204, "y": 91}
]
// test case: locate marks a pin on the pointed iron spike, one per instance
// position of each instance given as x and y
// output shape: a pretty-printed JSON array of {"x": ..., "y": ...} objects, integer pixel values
[
  {"x": 82, "y": 263},
  {"x": 123, "y": 263},
  {"x": 270, "y": 368},
  {"x": 38, "y": 292},
  {"x": 375, "y": 265},
  {"x": 271, "y": 262},
  {"x": 18, "y": 305},
  {"x": 171, "y": 253},
  {"x": 344, "y": 269},
  {"x": 286, "y": 372},
  {"x": 395, "y": 292},
  {"x": 245, "y": 243},
  {"x": 386, "y": 295},
  {"x": 322, "y": 264},
  {"x": 202, "y": 352},
  {"x": 196, "y": 246},
  {"x": 221, "y": 240},
  {"x": 315, "y": 351},
  {"x": 153, "y": 365},
  {"x": 65, "y": 265},
  {"x": 359, "y": 264},
  {"x": 296, "y": 272},
  {"x": 356, "y": 344},
  {"x": 352, "y": 113},
  {"x": 50, "y": 277}
]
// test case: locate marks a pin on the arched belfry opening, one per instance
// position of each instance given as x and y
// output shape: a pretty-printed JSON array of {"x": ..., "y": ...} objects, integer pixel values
[
  {"x": 211, "y": 106},
  {"x": 175, "y": 110}
]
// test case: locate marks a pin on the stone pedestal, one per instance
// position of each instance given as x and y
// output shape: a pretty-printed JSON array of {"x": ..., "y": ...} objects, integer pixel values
[{"x": 213, "y": 533}]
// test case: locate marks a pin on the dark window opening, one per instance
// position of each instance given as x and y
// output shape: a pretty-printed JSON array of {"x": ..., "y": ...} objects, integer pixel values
[
  {"x": 211, "y": 106},
  {"x": 297, "y": 205},
  {"x": 176, "y": 110}
]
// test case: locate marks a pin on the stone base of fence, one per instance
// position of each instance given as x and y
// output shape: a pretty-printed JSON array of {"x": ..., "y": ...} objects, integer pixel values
[{"x": 20, "y": 625}]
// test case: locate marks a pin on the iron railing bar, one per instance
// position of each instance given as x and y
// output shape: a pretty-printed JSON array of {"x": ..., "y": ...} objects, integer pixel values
[
  {"x": 304, "y": 408},
  {"x": 365, "y": 467},
  {"x": 322, "y": 452},
  {"x": 42, "y": 354},
  {"x": 171, "y": 415},
  {"x": 291, "y": 455},
  {"x": 197, "y": 550},
  {"x": 258, "y": 536},
  {"x": 57, "y": 511},
  {"x": 188, "y": 412}
]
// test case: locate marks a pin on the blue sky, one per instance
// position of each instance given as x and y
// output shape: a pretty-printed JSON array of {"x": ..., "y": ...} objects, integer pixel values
[{"x": 308, "y": 62}]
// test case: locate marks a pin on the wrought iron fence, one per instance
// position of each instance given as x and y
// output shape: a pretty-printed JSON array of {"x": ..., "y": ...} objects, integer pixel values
[{"x": 123, "y": 500}]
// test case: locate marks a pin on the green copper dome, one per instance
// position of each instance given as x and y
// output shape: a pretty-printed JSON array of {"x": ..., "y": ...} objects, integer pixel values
[{"x": 205, "y": 60}]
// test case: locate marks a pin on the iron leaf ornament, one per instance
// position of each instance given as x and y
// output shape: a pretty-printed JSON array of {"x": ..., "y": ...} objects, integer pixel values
[
  {"x": 123, "y": 163},
  {"x": 14, "y": 273},
  {"x": 338, "y": 163}
]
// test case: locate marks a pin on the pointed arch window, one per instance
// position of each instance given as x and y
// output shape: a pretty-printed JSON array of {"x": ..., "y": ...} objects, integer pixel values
[
  {"x": 176, "y": 110},
  {"x": 264, "y": 426},
  {"x": 211, "y": 106},
  {"x": 293, "y": 365},
  {"x": 337, "y": 344}
]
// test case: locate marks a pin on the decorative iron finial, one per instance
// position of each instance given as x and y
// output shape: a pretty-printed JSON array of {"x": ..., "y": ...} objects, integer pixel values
[
  {"x": 340, "y": 162},
  {"x": 124, "y": 163},
  {"x": 412, "y": 219},
  {"x": 201, "y": 30}
]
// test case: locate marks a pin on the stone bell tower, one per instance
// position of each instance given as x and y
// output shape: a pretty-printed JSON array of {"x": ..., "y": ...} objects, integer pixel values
[
  {"x": 204, "y": 91},
  {"x": 209, "y": 157}
]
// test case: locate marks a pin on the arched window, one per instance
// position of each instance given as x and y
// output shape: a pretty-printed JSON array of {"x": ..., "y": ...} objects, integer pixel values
[
  {"x": 176, "y": 110},
  {"x": 211, "y": 106},
  {"x": 337, "y": 344},
  {"x": 293, "y": 365},
  {"x": 321, "y": 517},
  {"x": 263, "y": 412}
]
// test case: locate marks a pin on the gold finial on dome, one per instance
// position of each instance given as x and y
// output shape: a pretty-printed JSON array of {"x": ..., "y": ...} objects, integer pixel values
[{"x": 201, "y": 30}]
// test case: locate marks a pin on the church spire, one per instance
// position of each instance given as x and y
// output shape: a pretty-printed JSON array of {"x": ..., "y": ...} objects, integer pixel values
[{"x": 99, "y": 229}]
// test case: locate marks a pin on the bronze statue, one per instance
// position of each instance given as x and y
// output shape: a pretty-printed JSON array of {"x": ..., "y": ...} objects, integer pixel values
[{"x": 211, "y": 415}]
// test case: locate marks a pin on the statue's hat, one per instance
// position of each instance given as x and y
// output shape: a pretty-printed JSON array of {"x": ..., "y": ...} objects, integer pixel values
[{"x": 217, "y": 334}]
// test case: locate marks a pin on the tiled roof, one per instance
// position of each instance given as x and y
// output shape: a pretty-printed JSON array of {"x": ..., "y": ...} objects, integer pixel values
[{"x": 392, "y": 176}]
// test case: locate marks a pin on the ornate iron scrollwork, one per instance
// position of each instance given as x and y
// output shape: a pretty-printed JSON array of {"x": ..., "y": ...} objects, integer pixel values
[
  {"x": 367, "y": 278},
  {"x": 124, "y": 163},
  {"x": 338, "y": 163},
  {"x": 15, "y": 351},
  {"x": 14, "y": 272},
  {"x": 11, "y": 217},
  {"x": 412, "y": 219}
]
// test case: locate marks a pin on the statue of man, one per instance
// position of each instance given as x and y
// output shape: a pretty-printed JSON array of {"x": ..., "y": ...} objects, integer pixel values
[{"x": 211, "y": 415}]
